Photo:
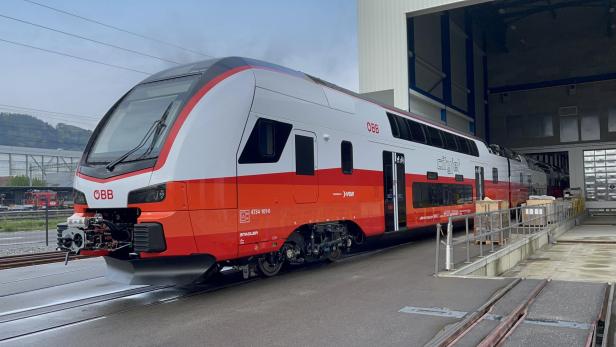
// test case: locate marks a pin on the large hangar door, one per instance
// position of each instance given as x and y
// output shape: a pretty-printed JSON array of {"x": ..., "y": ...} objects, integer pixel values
[
  {"x": 394, "y": 184},
  {"x": 600, "y": 174}
]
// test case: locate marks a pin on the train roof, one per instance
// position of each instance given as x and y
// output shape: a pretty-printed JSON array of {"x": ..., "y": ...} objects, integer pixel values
[{"x": 218, "y": 66}]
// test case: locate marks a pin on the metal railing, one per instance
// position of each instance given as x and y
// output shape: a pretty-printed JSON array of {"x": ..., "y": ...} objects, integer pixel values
[
  {"x": 34, "y": 214},
  {"x": 29, "y": 231},
  {"x": 495, "y": 230}
]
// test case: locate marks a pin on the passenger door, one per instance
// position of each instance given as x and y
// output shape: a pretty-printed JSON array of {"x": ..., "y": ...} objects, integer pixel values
[
  {"x": 479, "y": 183},
  {"x": 394, "y": 184},
  {"x": 305, "y": 187}
]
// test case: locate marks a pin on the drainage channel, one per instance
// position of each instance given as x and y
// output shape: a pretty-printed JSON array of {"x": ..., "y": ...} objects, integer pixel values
[{"x": 531, "y": 313}]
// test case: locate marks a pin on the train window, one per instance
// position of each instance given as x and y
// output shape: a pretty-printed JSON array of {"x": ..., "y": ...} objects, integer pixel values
[
  {"x": 434, "y": 137},
  {"x": 266, "y": 142},
  {"x": 416, "y": 130},
  {"x": 441, "y": 194},
  {"x": 494, "y": 175},
  {"x": 450, "y": 141},
  {"x": 410, "y": 130},
  {"x": 403, "y": 127},
  {"x": 304, "y": 155},
  {"x": 266, "y": 139},
  {"x": 460, "y": 178},
  {"x": 346, "y": 155},
  {"x": 394, "y": 125},
  {"x": 464, "y": 146},
  {"x": 473, "y": 147},
  {"x": 431, "y": 175}
]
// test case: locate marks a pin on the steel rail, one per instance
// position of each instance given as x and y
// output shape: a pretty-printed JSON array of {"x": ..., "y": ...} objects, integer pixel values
[
  {"x": 41, "y": 310},
  {"x": 189, "y": 293},
  {"x": 511, "y": 321},
  {"x": 13, "y": 261},
  {"x": 454, "y": 332}
]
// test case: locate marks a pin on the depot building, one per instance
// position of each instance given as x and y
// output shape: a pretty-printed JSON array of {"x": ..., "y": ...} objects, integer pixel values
[{"x": 535, "y": 76}]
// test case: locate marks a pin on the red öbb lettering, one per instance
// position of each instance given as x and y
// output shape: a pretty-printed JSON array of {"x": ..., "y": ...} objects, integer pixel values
[
  {"x": 372, "y": 127},
  {"x": 103, "y": 194}
]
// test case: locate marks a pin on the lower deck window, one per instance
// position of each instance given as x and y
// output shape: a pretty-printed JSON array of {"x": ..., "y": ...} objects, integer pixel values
[{"x": 441, "y": 194}]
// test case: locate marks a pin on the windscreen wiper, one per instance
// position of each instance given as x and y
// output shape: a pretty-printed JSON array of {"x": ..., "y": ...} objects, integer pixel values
[
  {"x": 121, "y": 158},
  {"x": 159, "y": 130},
  {"x": 155, "y": 129}
]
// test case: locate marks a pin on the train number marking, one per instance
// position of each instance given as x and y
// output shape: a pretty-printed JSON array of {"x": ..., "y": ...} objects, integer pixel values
[
  {"x": 245, "y": 214},
  {"x": 103, "y": 194},
  {"x": 263, "y": 211},
  {"x": 372, "y": 127}
]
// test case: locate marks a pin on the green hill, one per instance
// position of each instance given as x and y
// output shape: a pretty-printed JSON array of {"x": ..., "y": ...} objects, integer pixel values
[{"x": 26, "y": 131}]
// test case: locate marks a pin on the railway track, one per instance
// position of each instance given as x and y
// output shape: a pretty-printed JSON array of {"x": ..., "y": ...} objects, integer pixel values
[
  {"x": 511, "y": 318},
  {"x": 14, "y": 261},
  {"x": 66, "y": 313}
]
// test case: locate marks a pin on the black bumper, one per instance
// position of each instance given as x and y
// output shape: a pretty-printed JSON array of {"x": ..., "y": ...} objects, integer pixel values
[{"x": 149, "y": 237}]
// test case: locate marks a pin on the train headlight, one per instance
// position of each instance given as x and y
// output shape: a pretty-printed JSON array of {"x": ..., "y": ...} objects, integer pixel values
[
  {"x": 155, "y": 193},
  {"x": 79, "y": 198}
]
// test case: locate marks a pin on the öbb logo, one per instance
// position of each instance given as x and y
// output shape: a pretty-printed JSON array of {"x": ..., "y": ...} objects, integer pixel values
[
  {"x": 372, "y": 127},
  {"x": 103, "y": 194}
]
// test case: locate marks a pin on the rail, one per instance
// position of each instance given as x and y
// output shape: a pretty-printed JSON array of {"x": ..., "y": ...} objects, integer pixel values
[
  {"x": 495, "y": 230},
  {"x": 9, "y": 262}
]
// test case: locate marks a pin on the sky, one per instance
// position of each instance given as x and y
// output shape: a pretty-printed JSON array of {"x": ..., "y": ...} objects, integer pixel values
[{"x": 318, "y": 37}]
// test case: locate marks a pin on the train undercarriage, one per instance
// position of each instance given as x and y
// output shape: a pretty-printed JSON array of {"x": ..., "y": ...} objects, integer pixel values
[
  {"x": 115, "y": 234},
  {"x": 314, "y": 242}
]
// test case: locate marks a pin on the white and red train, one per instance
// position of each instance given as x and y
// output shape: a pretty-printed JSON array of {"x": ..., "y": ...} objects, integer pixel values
[{"x": 238, "y": 161}]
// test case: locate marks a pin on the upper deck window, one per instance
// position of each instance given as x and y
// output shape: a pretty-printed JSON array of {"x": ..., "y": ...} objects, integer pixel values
[{"x": 410, "y": 130}]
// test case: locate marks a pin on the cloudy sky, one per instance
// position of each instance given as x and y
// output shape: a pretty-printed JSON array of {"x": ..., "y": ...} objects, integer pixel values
[{"x": 316, "y": 36}]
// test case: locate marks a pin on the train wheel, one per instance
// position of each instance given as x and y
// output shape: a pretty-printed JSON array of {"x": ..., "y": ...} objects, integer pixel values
[
  {"x": 334, "y": 255},
  {"x": 271, "y": 264}
]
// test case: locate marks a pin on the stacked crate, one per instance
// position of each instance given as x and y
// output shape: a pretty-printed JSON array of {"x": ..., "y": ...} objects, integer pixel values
[
  {"x": 538, "y": 212},
  {"x": 491, "y": 221}
]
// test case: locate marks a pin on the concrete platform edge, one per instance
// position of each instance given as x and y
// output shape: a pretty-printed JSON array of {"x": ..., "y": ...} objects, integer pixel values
[{"x": 502, "y": 260}]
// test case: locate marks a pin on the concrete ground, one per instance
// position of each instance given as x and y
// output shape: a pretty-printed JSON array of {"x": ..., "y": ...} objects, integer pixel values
[
  {"x": 584, "y": 253},
  {"x": 561, "y": 314},
  {"x": 387, "y": 296},
  {"x": 355, "y": 302}
]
